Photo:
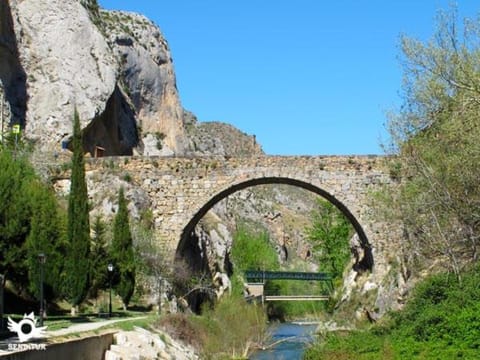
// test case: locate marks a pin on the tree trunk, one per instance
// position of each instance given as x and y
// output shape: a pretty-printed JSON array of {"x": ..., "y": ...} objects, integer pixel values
[{"x": 2, "y": 286}]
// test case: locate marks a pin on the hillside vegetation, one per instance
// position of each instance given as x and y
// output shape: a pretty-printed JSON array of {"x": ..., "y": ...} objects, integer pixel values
[
  {"x": 435, "y": 136},
  {"x": 441, "y": 321},
  {"x": 435, "y": 140}
]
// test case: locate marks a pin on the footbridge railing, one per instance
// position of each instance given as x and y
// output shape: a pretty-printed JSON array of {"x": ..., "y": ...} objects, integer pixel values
[{"x": 256, "y": 284}]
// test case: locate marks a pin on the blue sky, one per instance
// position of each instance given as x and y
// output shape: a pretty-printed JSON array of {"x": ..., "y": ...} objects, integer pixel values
[{"x": 307, "y": 77}]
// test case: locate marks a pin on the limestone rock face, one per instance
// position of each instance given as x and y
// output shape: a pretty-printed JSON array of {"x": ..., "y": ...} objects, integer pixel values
[
  {"x": 216, "y": 138},
  {"x": 115, "y": 68},
  {"x": 67, "y": 63},
  {"x": 146, "y": 71}
]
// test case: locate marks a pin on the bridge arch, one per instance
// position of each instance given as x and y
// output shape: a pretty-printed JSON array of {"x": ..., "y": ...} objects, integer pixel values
[{"x": 364, "y": 264}]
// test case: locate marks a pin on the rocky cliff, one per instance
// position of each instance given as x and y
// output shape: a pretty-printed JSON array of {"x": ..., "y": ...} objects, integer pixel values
[{"x": 114, "y": 67}]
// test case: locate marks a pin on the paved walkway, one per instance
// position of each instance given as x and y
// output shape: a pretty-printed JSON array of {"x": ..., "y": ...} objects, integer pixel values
[
  {"x": 76, "y": 328},
  {"x": 82, "y": 327}
]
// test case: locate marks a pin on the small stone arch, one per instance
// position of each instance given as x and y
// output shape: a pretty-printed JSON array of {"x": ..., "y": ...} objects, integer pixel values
[{"x": 366, "y": 263}]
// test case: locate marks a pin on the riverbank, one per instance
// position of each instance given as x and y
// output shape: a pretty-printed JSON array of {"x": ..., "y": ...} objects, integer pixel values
[{"x": 440, "y": 321}]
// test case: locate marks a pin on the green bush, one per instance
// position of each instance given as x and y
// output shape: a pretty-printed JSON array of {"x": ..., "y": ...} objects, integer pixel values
[
  {"x": 230, "y": 335},
  {"x": 220, "y": 333},
  {"x": 253, "y": 251},
  {"x": 440, "y": 321}
]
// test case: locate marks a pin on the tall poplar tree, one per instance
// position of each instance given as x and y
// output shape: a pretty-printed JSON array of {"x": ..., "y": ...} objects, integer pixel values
[
  {"x": 77, "y": 266},
  {"x": 122, "y": 252},
  {"x": 329, "y": 234}
]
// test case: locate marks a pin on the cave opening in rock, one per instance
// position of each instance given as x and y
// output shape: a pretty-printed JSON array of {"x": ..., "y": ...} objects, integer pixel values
[{"x": 114, "y": 131}]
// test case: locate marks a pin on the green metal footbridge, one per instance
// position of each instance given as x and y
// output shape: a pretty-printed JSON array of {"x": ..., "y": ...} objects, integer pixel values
[{"x": 256, "y": 284}]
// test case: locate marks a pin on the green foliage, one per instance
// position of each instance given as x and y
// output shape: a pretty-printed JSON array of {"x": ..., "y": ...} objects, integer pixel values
[
  {"x": 122, "y": 252},
  {"x": 295, "y": 309},
  {"x": 253, "y": 251},
  {"x": 45, "y": 237},
  {"x": 330, "y": 233},
  {"x": 77, "y": 261},
  {"x": 99, "y": 257},
  {"x": 127, "y": 177},
  {"x": 436, "y": 136},
  {"x": 150, "y": 259},
  {"x": 250, "y": 251},
  {"x": 444, "y": 314},
  {"x": 159, "y": 137},
  {"x": 14, "y": 215},
  {"x": 440, "y": 321},
  {"x": 220, "y": 333},
  {"x": 30, "y": 223}
]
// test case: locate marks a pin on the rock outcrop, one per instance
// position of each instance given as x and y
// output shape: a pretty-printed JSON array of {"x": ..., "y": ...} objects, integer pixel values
[
  {"x": 147, "y": 75},
  {"x": 114, "y": 67},
  {"x": 122, "y": 88},
  {"x": 143, "y": 344},
  {"x": 67, "y": 63},
  {"x": 216, "y": 138}
]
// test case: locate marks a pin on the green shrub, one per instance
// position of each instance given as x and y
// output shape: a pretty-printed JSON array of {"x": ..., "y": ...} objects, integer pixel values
[
  {"x": 440, "y": 321},
  {"x": 180, "y": 326},
  {"x": 228, "y": 334},
  {"x": 127, "y": 177},
  {"x": 253, "y": 251},
  {"x": 220, "y": 333}
]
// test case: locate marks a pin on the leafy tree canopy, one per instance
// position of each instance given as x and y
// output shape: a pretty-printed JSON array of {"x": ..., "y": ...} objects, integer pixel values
[
  {"x": 435, "y": 135},
  {"x": 329, "y": 235},
  {"x": 253, "y": 251}
]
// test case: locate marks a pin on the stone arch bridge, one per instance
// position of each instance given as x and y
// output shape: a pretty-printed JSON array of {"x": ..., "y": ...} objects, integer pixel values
[{"x": 182, "y": 190}]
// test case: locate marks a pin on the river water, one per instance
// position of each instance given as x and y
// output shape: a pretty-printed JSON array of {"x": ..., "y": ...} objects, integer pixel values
[{"x": 292, "y": 340}]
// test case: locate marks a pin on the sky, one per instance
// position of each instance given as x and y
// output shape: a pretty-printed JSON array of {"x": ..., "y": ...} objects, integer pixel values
[{"x": 306, "y": 77}]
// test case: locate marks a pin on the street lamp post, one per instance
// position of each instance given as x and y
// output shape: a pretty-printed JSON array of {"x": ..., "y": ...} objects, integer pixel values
[
  {"x": 110, "y": 270},
  {"x": 42, "y": 259},
  {"x": 1, "y": 301}
]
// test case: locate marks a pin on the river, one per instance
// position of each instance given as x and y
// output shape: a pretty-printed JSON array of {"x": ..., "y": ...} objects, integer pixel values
[{"x": 292, "y": 341}]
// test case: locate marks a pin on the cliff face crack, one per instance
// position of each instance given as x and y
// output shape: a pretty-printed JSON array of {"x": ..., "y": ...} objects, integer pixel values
[{"x": 12, "y": 75}]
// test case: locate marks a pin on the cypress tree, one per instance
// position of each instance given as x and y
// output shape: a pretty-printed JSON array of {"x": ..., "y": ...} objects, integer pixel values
[
  {"x": 15, "y": 178},
  {"x": 122, "y": 252},
  {"x": 99, "y": 257},
  {"x": 46, "y": 233},
  {"x": 77, "y": 265}
]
